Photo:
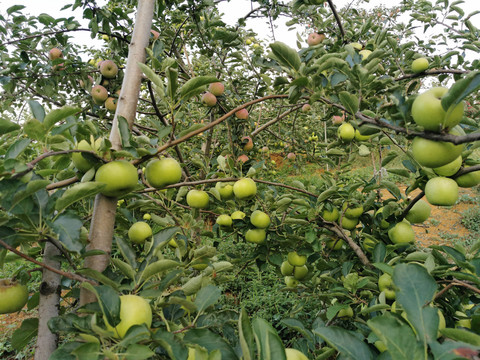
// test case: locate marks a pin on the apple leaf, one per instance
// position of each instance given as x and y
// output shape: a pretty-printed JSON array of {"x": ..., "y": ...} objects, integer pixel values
[
  {"x": 37, "y": 110},
  {"x": 346, "y": 342},
  {"x": 195, "y": 86},
  {"x": 285, "y": 55},
  {"x": 59, "y": 114},
  {"x": 452, "y": 350},
  {"x": 125, "y": 133},
  {"x": 88, "y": 350},
  {"x": 31, "y": 188},
  {"x": 461, "y": 89},
  {"x": 415, "y": 288},
  {"x": 25, "y": 333},
  {"x": 99, "y": 277},
  {"x": 68, "y": 226},
  {"x": 462, "y": 335},
  {"x": 109, "y": 302},
  {"x": 156, "y": 268},
  {"x": 206, "y": 297},
  {"x": 246, "y": 336},
  {"x": 269, "y": 344},
  {"x": 170, "y": 344},
  {"x": 350, "y": 101},
  {"x": 7, "y": 126},
  {"x": 138, "y": 352},
  {"x": 397, "y": 336},
  {"x": 126, "y": 250},
  {"x": 76, "y": 193},
  {"x": 17, "y": 148},
  {"x": 151, "y": 75}
]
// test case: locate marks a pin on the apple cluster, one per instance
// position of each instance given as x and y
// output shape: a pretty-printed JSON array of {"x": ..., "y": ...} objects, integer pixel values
[
  {"x": 294, "y": 269},
  {"x": 109, "y": 70}
]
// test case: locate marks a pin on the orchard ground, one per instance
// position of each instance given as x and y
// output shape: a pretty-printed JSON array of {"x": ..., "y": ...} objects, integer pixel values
[{"x": 445, "y": 226}]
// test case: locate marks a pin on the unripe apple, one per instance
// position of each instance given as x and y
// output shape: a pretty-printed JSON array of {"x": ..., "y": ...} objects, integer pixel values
[
  {"x": 242, "y": 114},
  {"x": 139, "y": 232},
  {"x": 295, "y": 259},
  {"x": 259, "y": 219},
  {"x": 238, "y": 215},
  {"x": 441, "y": 191},
  {"x": 331, "y": 215},
  {"x": 385, "y": 284},
  {"x": 352, "y": 210},
  {"x": 13, "y": 296},
  {"x": 197, "y": 199},
  {"x": 300, "y": 272},
  {"x": 81, "y": 163},
  {"x": 365, "y": 54},
  {"x": 163, "y": 172},
  {"x": 434, "y": 154},
  {"x": 345, "y": 313},
  {"x": 134, "y": 310},
  {"x": 256, "y": 236},
  {"x": 356, "y": 45},
  {"x": 346, "y": 132},
  {"x": 111, "y": 104},
  {"x": 469, "y": 179},
  {"x": 224, "y": 220},
  {"x": 108, "y": 69},
  {"x": 419, "y": 65},
  {"x": 294, "y": 354},
  {"x": 315, "y": 39},
  {"x": 286, "y": 268},
  {"x": 419, "y": 212},
  {"x": 209, "y": 99},
  {"x": 225, "y": 190},
  {"x": 55, "y": 53},
  {"x": 216, "y": 88},
  {"x": 449, "y": 169},
  {"x": 99, "y": 94},
  {"x": 348, "y": 223},
  {"x": 427, "y": 111},
  {"x": 244, "y": 189},
  {"x": 334, "y": 244},
  {"x": 290, "y": 281},
  {"x": 401, "y": 233},
  {"x": 120, "y": 176}
]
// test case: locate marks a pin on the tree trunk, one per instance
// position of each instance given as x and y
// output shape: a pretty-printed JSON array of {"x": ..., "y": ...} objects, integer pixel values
[
  {"x": 103, "y": 221},
  {"x": 49, "y": 302}
]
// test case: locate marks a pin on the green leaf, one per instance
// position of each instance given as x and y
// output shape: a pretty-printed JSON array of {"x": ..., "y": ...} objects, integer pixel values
[
  {"x": 17, "y": 148},
  {"x": 124, "y": 131},
  {"x": 451, "y": 350},
  {"x": 392, "y": 188},
  {"x": 285, "y": 55},
  {"x": 172, "y": 85},
  {"x": 345, "y": 341},
  {"x": 109, "y": 302},
  {"x": 194, "y": 86},
  {"x": 461, "y": 89},
  {"x": 138, "y": 352},
  {"x": 34, "y": 129},
  {"x": 37, "y": 110},
  {"x": 269, "y": 344},
  {"x": 127, "y": 252},
  {"x": 32, "y": 187},
  {"x": 246, "y": 336},
  {"x": 190, "y": 129},
  {"x": 462, "y": 335},
  {"x": 59, "y": 114},
  {"x": 416, "y": 287},
  {"x": 350, "y": 101},
  {"x": 156, "y": 268},
  {"x": 211, "y": 342},
  {"x": 68, "y": 226},
  {"x": 7, "y": 126},
  {"x": 78, "y": 192},
  {"x": 25, "y": 333},
  {"x": 151, "y": 75},
  {"x": 170, "y": 344},
  {"x": 162, "y": 237},
  {"x": 98, "y": 276},
  {"x": 397, "y": 336},
  {"x": 88, "y": 351},
  {"x": 206, "y": 297},
  {"x": 125, "y": 268}
]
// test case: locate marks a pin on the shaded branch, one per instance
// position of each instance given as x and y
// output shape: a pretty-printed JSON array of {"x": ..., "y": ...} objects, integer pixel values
[{"x": 337, "y": 18}]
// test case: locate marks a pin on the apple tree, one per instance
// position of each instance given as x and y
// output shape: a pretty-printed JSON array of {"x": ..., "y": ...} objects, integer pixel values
[{"x": 124, "y": 175}]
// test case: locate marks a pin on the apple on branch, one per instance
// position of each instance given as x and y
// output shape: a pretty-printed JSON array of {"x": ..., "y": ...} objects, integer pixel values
[{"x": 315, "y": 39}]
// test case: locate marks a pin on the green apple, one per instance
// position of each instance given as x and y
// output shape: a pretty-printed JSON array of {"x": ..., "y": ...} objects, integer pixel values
[
  {"x": 296, "y": 260},
  {"x": 290, "y": 281},
  {"x": 259, "y": 219},
  {"x": 99, "y": 94},
  {"x": 427, "y": 111},
  {"x": 108, "y": 69},
  {"x": 209, "y": 99},
  {"x": 441, "y": 191},
  {"x": 385, "y": 284},
  {"x": 470, "y": 179},
  {"x": 120, "y": 176},
  {"x": 225, "y": 190},
  {"x": 286, "y": 268},
  {"x": 238, "y": 215},
  {"x": 401, "y": 233},
  {"x": 365, "y": 54},
  {"x": 242, "y": 114},
  {"x": 134, "y": 310},
  {"x": 349, "y": 224},
  {"x": 81, "y": 163},
  {"x": 299, "y": 272},
  {"x": 13, "y": 296},
  {"x": 419, "y": 212},
  {"x": 216, "y": 88},
  {"x": 369, "y": 244},
  {"x": 419, "y": 65},
  {"x": 224, "y": 220},
  {"x": 197, "y": 199},
  {"x": 345, "y": 313},
  {"x": 139, "y": 232},
  {"x": 256, "y": 236},
  {"x": 346, "y": 132},
  {"x": 434, "y": 154},
  {"x": 163, "y": 172},
  {"x": 330, "y": 215},
  {"x": 147, "y": 216},
  {"x": 294, "y": 354},
  {"x": 449, "y": 169},
  {"x": 352, "y": 210},
  {"x": 334, "y": 244},
  {"x": 245, "y": 189}
]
